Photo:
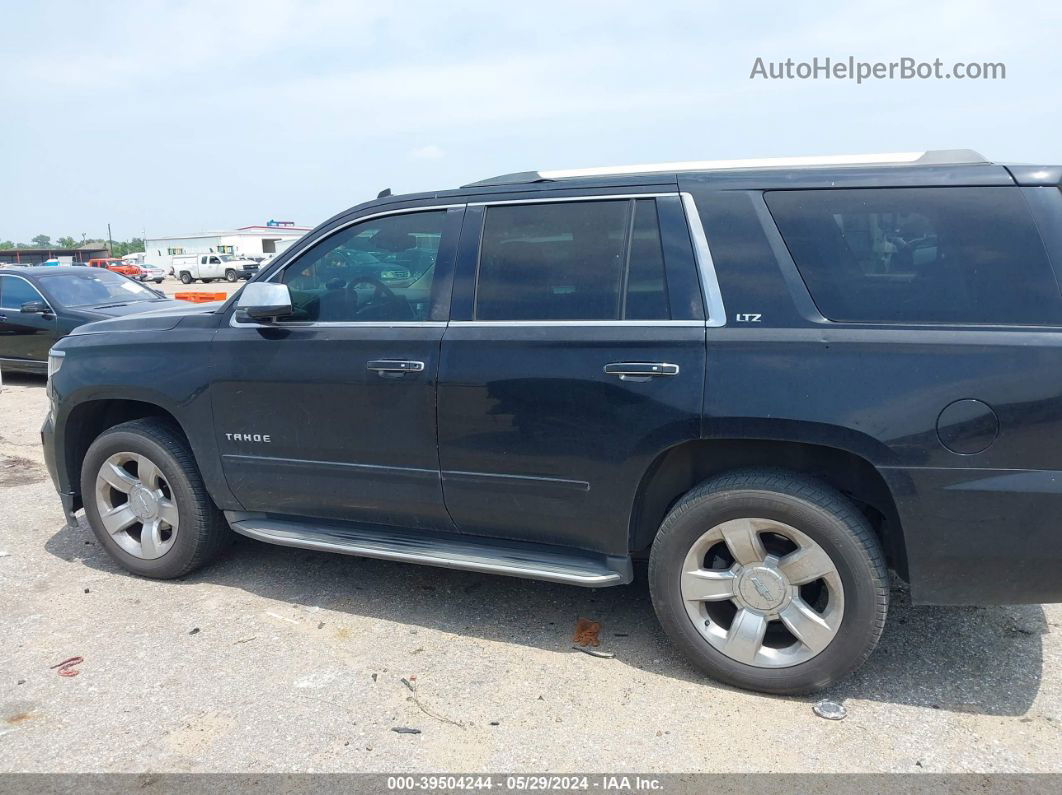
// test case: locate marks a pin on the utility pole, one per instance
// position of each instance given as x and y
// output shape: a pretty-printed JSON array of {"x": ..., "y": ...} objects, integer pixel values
[{"x": 110, "y": 246}]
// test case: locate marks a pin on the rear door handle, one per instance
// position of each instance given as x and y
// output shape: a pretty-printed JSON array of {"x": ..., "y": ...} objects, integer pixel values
[
  {"x": 392, "y": 368},
  {"x": 640, "y": 371}
]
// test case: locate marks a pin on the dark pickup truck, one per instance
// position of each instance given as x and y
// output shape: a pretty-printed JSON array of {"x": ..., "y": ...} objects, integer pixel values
[{"x": 775, "y": 380}]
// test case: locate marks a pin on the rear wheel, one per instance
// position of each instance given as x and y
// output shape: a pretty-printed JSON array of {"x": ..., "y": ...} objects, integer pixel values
[
  {"x": 146, "y": 502},
  {"x": 770, "y": 581},
  {"x": 186, "y": 277}
]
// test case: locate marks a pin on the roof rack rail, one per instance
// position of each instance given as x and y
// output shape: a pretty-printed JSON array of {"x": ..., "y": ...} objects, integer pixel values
[{"x": 932, "y": 157}]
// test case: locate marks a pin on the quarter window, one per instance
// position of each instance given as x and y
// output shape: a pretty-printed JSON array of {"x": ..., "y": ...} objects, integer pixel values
[
  {"x": 378, "y": 270},
  {"x": 919, "y": 255},
  {"x": 581, "y": 260}
]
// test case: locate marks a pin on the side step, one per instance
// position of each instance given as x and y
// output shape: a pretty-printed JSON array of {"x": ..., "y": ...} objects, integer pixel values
[{"x": 448, "y": 550}]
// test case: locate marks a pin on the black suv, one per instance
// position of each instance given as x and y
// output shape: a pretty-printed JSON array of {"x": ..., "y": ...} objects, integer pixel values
[{"x": 773, "y": 379}]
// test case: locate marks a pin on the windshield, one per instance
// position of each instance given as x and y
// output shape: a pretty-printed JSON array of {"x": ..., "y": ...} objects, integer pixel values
[{"x": 94, "y": 287}]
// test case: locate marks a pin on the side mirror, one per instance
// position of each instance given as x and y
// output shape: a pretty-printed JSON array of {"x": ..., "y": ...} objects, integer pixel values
[
  {"x": 35, "y": 308},
  {"x": 264, "y": 301}
]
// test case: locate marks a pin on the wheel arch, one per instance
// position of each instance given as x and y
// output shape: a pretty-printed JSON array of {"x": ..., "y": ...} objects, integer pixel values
[{"x": 678, "y": 469}]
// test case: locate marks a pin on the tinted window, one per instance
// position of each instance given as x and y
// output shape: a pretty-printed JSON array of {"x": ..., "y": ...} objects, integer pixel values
[
  {"x": 379, "y": 270},
  {"x": 646, "y": 283},
  {"x": 14, "y": 292},
  {"x": 935, "y": 255},
  {"x": 568, "y": 261}
]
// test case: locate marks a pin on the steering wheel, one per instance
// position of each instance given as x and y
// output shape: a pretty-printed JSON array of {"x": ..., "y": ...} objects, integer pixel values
[{"x": 381, "y": 292}]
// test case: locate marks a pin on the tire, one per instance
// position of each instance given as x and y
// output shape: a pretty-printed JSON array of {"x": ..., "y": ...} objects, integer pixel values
[
  {"x": 158, "y": 281},
  {"x": 186, "y": 277},
  {"x": 814, "y": 633},
  {"x": 197, "y": 530},
  {"x": 230, "y": 275}
]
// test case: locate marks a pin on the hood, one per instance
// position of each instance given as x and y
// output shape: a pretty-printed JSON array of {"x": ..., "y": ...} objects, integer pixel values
[{"x": 152, "y": 316}]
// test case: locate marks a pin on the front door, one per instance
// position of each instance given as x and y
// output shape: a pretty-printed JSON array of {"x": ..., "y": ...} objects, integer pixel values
[
  {"x": 25, "y": 336},
  {"x": 331, "y": 413},
  {"x": 579, "y": 359}
]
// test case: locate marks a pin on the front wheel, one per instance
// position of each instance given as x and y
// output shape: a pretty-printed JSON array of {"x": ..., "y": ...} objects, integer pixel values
[
  {"x": 770, "y": 581},
  {"x": 230, "y": 275},
  {"x": 146, "y": 501}
]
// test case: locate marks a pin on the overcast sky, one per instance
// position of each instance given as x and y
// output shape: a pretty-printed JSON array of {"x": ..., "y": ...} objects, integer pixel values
[{"x": 182, "y": 117}]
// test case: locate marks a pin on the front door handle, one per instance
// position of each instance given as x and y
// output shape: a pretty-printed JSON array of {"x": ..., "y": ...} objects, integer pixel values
[
  {"x": 394, "y": 368},
  {"x": 3, "y": 318},
  {"x": 640, "y": 371}
]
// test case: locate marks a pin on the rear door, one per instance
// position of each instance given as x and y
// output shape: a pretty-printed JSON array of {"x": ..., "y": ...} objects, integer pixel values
[
  {"x": 575, "y": 355},
  {"x": 23, "y": 335}
]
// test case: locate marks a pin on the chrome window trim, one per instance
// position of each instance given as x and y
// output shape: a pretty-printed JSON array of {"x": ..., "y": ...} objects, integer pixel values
[
  {"x": 34, "y": 287},
  {"x": 572, "y": 323},
  {"x": 559, "y": 199},
  {"x": 713, "y": 296},
  {"x": 294, "y": 325},
  {"x": 715, "y": 310}
]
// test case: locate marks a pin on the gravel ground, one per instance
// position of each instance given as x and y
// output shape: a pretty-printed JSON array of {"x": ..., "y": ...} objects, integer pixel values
[{"x": 279, "y": 660}]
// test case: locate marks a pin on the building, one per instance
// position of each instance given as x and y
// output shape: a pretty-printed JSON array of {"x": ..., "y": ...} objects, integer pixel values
[
  {"x": 35, "y": 256},
  {"x": 245, "y": 241}
]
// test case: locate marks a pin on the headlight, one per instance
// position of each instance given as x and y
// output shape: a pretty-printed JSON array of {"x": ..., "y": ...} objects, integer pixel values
[{"x": 55, "y": 361}]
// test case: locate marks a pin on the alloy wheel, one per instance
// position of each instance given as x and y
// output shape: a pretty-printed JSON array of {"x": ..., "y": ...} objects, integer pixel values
[
  {"x": 136, "y": 505},
  {"x": 762, "y": 592}
]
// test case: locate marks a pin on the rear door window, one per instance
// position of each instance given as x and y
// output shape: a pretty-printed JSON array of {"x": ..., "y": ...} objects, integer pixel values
[
  {"x": 919, "y": 255},
  {"x": 575, "y": 260}
]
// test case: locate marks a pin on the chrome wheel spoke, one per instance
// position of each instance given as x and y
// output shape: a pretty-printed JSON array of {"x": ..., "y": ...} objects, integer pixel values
[
  {"x": 743, "y": 540},
  {"x": 806, "y": 564},
  {"x": 745, "y": 636},
  {"x": 147, "y": 472},
  {"x": 151, "y": 539},
  {"x": 117, "y": 478},
  {"x": 704, "y": 585},
  {"x": 763, "y": 588},
  {"x": 144, "y": 522},
  {"x": 810, "y": 628},
  {"x": 118, "y": 519},
  {"x": 168, "y": 512}
]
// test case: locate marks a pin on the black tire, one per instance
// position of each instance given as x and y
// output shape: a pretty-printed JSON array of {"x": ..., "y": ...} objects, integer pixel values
[
  {"x": 158, "y": 281},
  {"x": 230, "y": 275},
  {"x": 202, "y": 531},
  {"x": 818, "y": 511},
  {"x": 186, "y": 277}
]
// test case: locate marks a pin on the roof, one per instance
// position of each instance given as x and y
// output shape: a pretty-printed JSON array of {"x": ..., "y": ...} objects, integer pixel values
[{"x": 931, "y": 157}]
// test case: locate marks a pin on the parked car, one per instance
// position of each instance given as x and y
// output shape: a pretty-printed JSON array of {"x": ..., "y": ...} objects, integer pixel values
[
  {"x": 117, "y": 266},
  {"x": 772, "y": 380},
  {"x": 211, "y": 267},
  {"x": 40, "y": 306},
  {"x": 151, "y": 273}
]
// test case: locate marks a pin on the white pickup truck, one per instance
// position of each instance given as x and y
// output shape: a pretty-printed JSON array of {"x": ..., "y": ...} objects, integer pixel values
[{"x": 210, "y": 267}]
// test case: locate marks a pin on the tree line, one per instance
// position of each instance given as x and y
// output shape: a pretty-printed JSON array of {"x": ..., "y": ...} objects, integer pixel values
[{"x": 119, "y": 248}]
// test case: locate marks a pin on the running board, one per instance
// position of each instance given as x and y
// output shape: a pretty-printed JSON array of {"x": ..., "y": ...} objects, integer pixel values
[{"x": 448, "y": 550}]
